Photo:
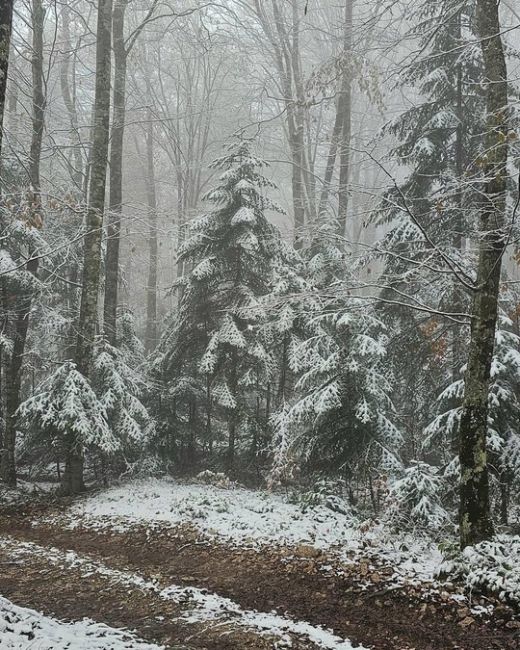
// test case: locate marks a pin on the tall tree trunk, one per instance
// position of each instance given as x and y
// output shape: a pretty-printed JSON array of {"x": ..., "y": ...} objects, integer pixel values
[
  {"x": 300, "y": 115},
  {"x": 24, "y": 305},
  {"x": 151, "y": 287},
  {"x": 232, "y": 417},
  {"x": 345, "y": 107},
  {"x": 6, "y": 22},
  {"x": 341, "y": 132},
  {"x": 331, "y": 159},
  {"x": 72, "y": 482},
  {"x": 116, "y": 173},
  {"x": 475, "y": 520},
  {"x": 458, "y": 224},
  {"x": 283, "y": 62},
  {"x": 69, "y": 100}
]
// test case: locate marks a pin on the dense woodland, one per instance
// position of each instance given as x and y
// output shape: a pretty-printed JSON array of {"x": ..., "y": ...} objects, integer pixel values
[{"x": 276, "y": 239}]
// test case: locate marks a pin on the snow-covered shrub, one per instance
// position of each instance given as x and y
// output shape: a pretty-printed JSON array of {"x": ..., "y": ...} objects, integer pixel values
[
  {"x": 145, "y": 466},
  {"x": 415, "y": 499},
  {"x": 489, "y": 567},
  {"x": 217, "y": 479},
  {"x": 327, "y": 493}
]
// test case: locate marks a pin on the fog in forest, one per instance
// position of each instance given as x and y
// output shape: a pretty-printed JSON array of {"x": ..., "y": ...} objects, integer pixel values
[{"x": 269, "y": 249}]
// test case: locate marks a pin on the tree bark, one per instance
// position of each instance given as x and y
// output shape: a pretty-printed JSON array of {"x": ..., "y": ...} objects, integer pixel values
[
  {"x": 474, "y": 517},
  {"x": 345, "y": 108},
  {"x": 282, "y": 49},
  {"x": 24, "y": 303},
  {"x": 72, "y": 481},
  {"x": 151, "y": 287},
  {"x": 116, "y": 173},
  {"x": 6, "y": 22},
  {"x": 69, "y": 100}
]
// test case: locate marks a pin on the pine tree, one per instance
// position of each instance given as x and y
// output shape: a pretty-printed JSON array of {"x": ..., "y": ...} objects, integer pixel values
[
  {"x": 415, "y": 499},
  {"x": 428, "y": 215},
  {"x": 214, "y": 348},
  {"x": 341, "y": 410},
  {"x": 119, "y": 388},
  {"x": 64, "y": 404},
  {"x": 104, "y": 414}
]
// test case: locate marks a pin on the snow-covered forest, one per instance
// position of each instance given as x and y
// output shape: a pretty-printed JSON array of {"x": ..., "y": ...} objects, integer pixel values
[{"x": 259, "y": 324}]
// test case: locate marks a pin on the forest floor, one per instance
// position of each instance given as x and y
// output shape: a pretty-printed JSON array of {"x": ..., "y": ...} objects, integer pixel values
[{"x": 201, "y": 567}]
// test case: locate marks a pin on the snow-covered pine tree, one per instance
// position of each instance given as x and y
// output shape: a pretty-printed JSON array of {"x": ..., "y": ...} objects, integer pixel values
[
  {"x": 65, "y": 407},
  {"x": 341, "y": 410},
  {"x": 415, "y": 499},
  {"x": 21, "y": 243},
  {"x": 214, "y": 348},
  {"x": 344, "y": 411},
  {"x": 119, "y": 387},
  {"x": 103, "y": 414}
]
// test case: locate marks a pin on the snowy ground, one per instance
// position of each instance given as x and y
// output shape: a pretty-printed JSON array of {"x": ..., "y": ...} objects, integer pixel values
[
  {"x": 250, "y": 518},
  {"x": 334, "y": 558},
  {"x": 25, "y": 491},
  {"x": 25, "y": 629}
]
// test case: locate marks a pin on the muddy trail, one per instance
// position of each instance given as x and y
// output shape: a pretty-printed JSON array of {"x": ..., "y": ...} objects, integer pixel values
[{"x": 295, "y": 583}]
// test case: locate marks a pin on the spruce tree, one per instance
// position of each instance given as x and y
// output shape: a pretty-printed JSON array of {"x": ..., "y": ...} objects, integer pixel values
[
  {"x": 104, "y": 413},
  {"x": 340, "y": 411},
  {"x": 213, "y": 349}
]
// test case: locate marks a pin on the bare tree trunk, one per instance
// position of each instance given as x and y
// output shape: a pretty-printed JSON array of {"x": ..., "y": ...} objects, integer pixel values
[
  {"x": 116, "y": 173},
  {"x": 70, "y": 103},
  {"x": 300, "y": 114},
  {"x": 72, "y": 482},
  {"x": 24, "y": 305},
  {"x": 281, "y": 46},
  {"x": 345, "y": 108},
  {"x": 151, "y": 288},
  {"x": 6, "y": 22},
  {"x": 331, "y": 160},
  {"x": 341, "y": 132},
  {"x": 475, "y": 520}
]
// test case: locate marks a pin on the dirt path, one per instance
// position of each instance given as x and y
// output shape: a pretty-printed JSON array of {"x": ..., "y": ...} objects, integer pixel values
[
  {"x": 263, "y": 581},
  {"x": 71, "y": 586}
]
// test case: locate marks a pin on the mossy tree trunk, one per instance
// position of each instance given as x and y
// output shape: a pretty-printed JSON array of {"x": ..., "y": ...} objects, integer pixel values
[{"x": 475, "y": 519}]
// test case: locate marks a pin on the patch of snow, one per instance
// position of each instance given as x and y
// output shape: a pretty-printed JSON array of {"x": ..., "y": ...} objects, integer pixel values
[
  {"x": 239, "y": 515},
  {"x": 26, "y": 629},
  {"x": 207, "y": 606},
  {"x": 245, "y": 517},
  {"x": 25, "y": 490}
]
